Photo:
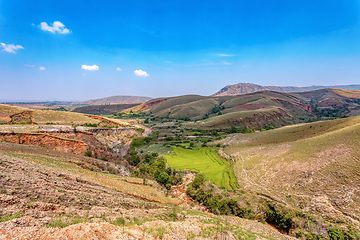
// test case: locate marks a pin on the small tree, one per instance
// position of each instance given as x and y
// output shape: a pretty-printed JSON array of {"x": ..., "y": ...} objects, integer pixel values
[
  {"x": 135, "y": 173},
  {"x": 163, "y": 178},
  {"x": 199, "y": 180}
]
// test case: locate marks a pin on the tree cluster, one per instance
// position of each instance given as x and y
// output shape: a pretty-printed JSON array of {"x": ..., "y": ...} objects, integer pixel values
[
  {"x": 151, "y": 165},
  {"x": 215, "y": 202}
]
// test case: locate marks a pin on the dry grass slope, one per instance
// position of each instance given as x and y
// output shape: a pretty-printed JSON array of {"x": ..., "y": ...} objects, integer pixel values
[
  {"x": 54, "y": 117},
  {"x": 48, "y": 116},
  {"x": 314, "y": 166}
]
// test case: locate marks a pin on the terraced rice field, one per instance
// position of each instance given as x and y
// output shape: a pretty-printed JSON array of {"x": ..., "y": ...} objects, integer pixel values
[{"x": 204, "y": 160}]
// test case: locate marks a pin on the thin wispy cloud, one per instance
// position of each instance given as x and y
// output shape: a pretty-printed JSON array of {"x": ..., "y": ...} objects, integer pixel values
[
  {"x": 42, "y": 68},
  {"x": 11, "y": 48},
  {"x": 141, "y": 73},
  {"x": 118, "y": 69},
  {"x": 56, "y": 27},
  {"x": 227, "y": 63},
  {"x": 29, "y": 65},
  {"x": 90, "y": 68},
  {"x": 224, "y": 55}
]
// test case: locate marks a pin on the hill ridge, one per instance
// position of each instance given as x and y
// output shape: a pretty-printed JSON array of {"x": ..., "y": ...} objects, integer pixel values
[
  {"x": 117, "y": 99},
  {"x": 245, "y": 88}
]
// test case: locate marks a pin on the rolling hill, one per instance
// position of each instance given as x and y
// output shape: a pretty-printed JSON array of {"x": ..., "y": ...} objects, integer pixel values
[
  {"x": 255, "y": 110},
  {"x": 104, "y": 109},
  {"x": 245, "y": 88},
  {"x": 116, "y": 99}
]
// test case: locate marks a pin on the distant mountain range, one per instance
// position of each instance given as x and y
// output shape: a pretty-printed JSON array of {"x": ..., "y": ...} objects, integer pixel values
[
  {"x": 245, "y": 88},
  {"x": 117, "y": 99}
]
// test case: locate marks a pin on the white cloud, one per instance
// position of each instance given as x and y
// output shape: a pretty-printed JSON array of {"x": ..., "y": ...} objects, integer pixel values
[
  {"x": 225, "y": 55},
  {"x": 227, "y": 63},
  {"x": 141, "y": 73},
  {"x": 42, "y": 68},
  {"x": 90, "y": 68},
  {"x": 29, "y": 65},
  {"x": 57, "y": 27},
  {"x": 118, "y": 69},
  {"x": 11, "y": 48}
]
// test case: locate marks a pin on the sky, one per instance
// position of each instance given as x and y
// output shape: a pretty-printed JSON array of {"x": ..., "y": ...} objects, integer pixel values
[{"x": 80, "y": 50}]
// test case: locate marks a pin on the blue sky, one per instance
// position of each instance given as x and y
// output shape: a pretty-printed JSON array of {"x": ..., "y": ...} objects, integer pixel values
[{"x": 79, "y": 50}]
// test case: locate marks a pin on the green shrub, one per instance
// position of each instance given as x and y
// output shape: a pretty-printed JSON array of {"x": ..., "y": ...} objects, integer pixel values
[
  {"x": 283, "y": 220},
  {"x": 88, "y": 153},
  {"x": 119, "y": 221},
  {"x": 163, "y": 178},
  {"x": 61, "y": 224},
  {"x": 199, "y": 180},
  {"x": 8, "y": 217},
  {"x": 135, "y": 173},
  {"x": 140, "y": 130},
  {"x": 335, "y": 234},
  {"x": 90, "y": 125}
]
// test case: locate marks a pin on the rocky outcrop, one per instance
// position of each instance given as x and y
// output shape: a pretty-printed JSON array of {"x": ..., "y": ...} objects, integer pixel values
[
  {"x": 23, "y": 117},
  {"x": 47, "y": 141},
  {"x": 103, "y": 143}
]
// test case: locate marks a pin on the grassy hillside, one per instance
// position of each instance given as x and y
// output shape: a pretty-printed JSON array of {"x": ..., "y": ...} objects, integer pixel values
[
  {"x": 313, "y": 166},
  {"x": 47, "y": 116},
  {"x": 204, "y": 160},
  {"x": 174, "y": 101},
  {"x": 197, "y": 108},
  {"x": 107, "y": 109},
  {"x": 256, "y": 118},
  {"x": 117, "y": 99},
  {"x": 255, "y": 110}
]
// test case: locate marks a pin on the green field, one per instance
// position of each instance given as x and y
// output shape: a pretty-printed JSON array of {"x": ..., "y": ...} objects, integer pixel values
[{"x": 204, "y": 160}]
